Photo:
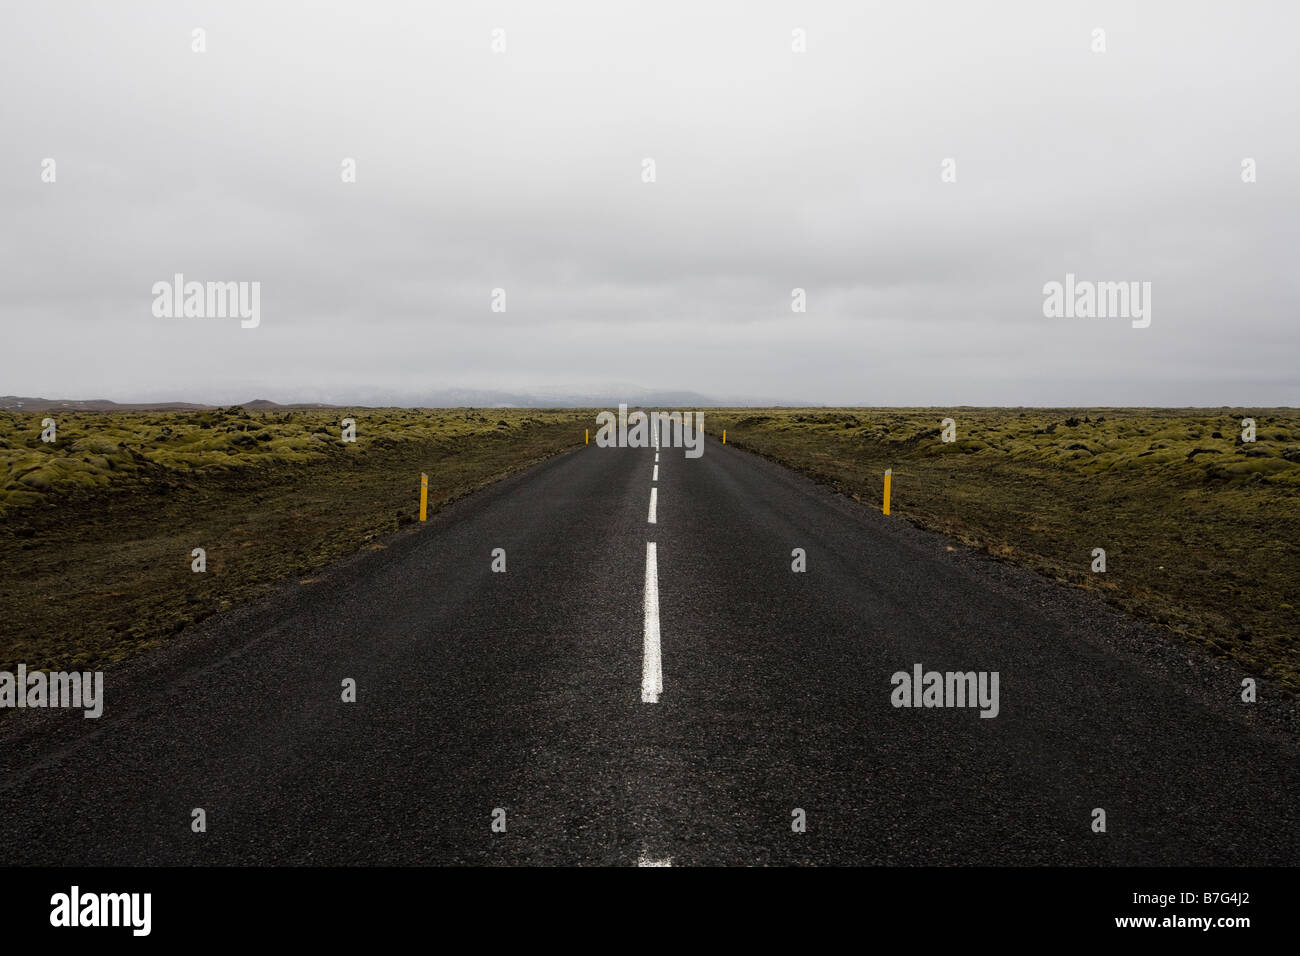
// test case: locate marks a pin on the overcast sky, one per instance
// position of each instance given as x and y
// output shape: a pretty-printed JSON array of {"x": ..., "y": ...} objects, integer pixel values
[{"x": 775, "y": 170}]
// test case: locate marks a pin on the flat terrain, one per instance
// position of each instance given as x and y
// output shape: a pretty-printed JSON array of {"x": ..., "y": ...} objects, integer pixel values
[
  {"x": 1201, "y": 529},
  {"x": 524, "y": 691},
  {"x": 97, "y": 528}
]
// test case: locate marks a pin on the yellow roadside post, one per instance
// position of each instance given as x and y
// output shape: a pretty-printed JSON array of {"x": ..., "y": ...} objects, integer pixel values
[
  {"x": 888, "y": 474},
  {"x": 724, "y": 436},
  {"x": 586, "y": 436},
  {"x": 424, "y": 496}
]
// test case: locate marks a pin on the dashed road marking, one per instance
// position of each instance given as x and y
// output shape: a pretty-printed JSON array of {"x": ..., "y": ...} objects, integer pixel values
[
  {"x": 654, "y": 496},
  {"x": 652, "y": 672}
]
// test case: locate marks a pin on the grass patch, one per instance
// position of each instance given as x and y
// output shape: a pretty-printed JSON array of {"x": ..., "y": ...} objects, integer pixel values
[
  {"x": 97, "y": 528},
  {"x": 1200, "y": 528}
]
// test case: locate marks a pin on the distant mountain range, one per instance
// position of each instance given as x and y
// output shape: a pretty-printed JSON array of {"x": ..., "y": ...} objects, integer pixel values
[
  {"x": 444, "y": 398},
  {"x": 17, "y": 403}
]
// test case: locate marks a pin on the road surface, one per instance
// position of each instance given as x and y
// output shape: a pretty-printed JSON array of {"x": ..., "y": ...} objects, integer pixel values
[{"x": 537, "y": 692}]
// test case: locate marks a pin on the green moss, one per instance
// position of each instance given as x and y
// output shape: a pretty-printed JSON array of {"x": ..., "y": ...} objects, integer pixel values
[
  {"x": 1207, "y": 526},
  {"x": 277, "y": 505}
]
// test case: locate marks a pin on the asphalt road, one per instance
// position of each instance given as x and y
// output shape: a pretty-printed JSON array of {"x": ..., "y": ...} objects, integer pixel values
[{"x": 523, "y": 691}]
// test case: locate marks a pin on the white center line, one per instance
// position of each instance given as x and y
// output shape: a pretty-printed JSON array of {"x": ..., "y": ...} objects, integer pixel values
[
  {"x": 656, "y": 458},
  {"x": 654, "y": 495},
  {"x": 655, "y": 476},
  {"x": 652, "y": 672},
  {"x": 644, "y": 860}
]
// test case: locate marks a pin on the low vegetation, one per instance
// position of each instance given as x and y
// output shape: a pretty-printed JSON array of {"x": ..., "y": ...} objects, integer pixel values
[
  {"x": 1201, "y": 529},
  {"x": 97, "y": 527}
]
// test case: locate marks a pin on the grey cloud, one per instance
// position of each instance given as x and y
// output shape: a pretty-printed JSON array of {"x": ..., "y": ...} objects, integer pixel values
[{"x": 775, "y": 171}]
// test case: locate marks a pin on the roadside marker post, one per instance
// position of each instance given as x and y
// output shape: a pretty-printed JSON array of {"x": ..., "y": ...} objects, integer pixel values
[
  {"x": 586, "y": 432},
  {"x": 889, "y": 472},
  {"x": 424, "y": 496},
  {"x": 724, "y": 436}
]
